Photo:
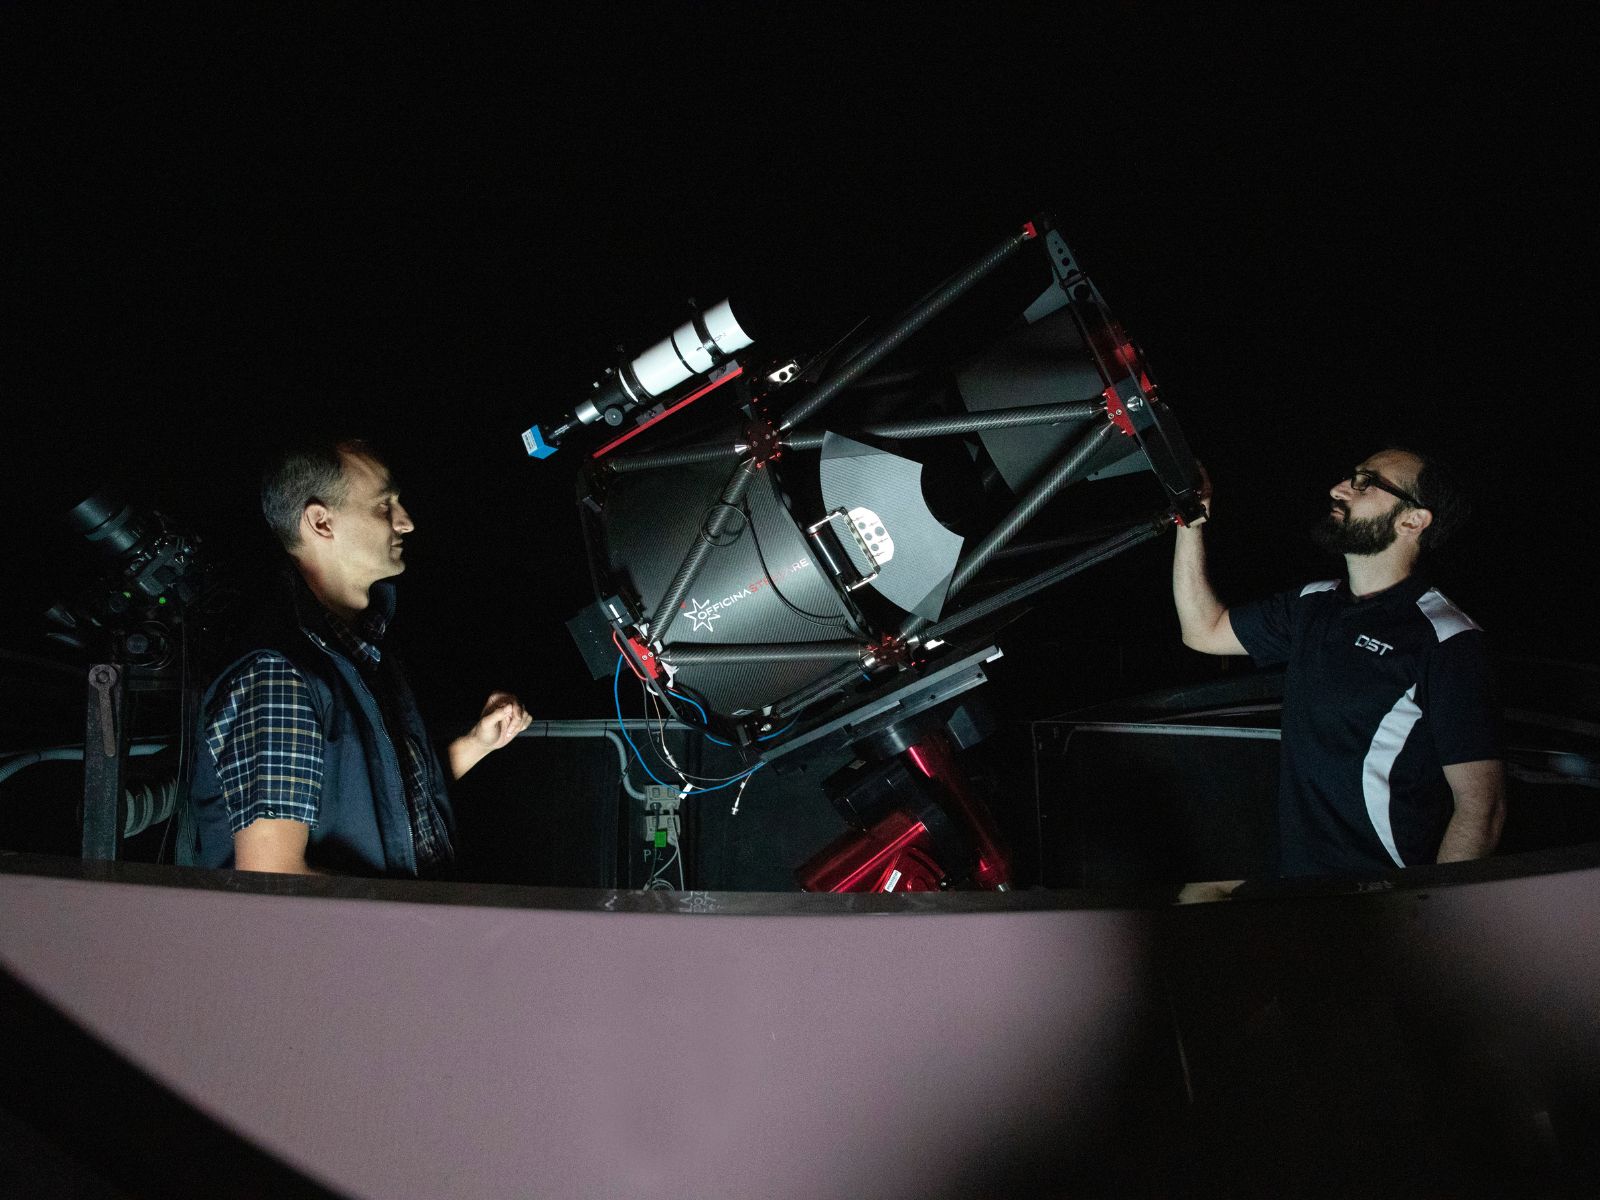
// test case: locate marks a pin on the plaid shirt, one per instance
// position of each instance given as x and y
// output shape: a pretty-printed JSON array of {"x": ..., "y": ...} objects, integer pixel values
[{"x": 267, "y": 743}]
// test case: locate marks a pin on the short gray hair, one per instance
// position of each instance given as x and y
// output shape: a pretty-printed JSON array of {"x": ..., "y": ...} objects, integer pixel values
[{"x": 309, "y": 473}]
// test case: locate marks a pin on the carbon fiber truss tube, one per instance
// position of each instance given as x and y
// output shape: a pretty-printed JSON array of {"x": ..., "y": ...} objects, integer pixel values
[
  {"x": 689, "y": 655},
  {"x": 914, "y": 319},
  {"x": 925, "y": 427},
  {"x": 1121, "y": 543},
  {"x": 928, "y": 427},
  {"x": 1070, "y": 468},
  {"x": 816, "y": 690},
  {"x": 732, "y": 493},
  {"x": 689, "y": 456},
  {"x": 1094, "y": 555},
  {"x": 1071, "y": 541}
]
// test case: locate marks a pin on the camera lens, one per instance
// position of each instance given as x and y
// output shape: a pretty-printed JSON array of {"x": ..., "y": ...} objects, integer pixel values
[{"x": 109, "y": 525}]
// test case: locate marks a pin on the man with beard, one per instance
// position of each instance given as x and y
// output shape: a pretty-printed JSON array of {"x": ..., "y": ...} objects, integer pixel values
[{"x": 1390, "y": 752}]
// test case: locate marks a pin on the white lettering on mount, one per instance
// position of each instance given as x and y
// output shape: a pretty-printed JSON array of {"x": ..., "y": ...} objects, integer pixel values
[
  {"x": 702, "y": 615},
  {"x": 1373, "y": 644}
]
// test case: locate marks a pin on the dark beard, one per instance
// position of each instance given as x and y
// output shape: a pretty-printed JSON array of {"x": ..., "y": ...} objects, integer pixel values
[{"x": 1366, "y": 535}]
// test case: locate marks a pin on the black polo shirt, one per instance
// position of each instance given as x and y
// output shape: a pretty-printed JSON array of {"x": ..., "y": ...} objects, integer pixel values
[{"x": 1379, "y": 695}]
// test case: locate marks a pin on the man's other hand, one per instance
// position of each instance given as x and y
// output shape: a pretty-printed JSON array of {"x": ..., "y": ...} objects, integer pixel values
[{"x": 503, "y": 718}]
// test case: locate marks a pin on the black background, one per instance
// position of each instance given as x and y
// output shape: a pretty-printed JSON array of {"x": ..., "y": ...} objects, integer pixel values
[{"x": 1330, "y": 227}]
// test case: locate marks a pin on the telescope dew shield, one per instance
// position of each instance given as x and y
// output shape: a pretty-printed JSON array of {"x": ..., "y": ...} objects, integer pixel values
[{"x": 695, "y": 348}]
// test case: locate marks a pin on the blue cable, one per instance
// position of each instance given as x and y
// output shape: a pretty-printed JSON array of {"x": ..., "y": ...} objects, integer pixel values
[
  {"x": 707, "y": 720},
  {"x": 691, "y": 700},
  {"x": 616, "y": 694}
]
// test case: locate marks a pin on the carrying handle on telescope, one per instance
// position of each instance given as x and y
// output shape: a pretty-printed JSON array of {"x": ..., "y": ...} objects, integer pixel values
[{"x": 830, "y": 548}]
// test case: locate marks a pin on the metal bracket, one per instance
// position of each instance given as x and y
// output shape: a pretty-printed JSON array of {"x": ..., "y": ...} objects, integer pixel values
[
  {"x": 104, "y": 735},
  {"x": 761, "y": 437}
]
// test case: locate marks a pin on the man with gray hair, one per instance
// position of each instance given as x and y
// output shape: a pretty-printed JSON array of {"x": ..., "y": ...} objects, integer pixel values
[{"x": 312, "y": 756}]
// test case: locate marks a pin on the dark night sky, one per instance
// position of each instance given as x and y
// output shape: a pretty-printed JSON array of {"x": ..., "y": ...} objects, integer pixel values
[{"x": 435, "y": 224}]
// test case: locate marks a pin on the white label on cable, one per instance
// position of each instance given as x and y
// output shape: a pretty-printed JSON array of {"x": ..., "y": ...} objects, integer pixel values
[{"x": 894, "y": 878}]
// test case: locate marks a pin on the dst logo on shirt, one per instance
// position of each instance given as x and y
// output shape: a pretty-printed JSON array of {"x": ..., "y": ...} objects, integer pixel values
[{"x": 1373, "y": 644}]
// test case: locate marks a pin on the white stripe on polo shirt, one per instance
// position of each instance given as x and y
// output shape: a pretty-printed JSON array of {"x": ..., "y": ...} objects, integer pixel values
[
  {"x": 1447, "y": 619},
  {"x": 1387, "y": 743}
]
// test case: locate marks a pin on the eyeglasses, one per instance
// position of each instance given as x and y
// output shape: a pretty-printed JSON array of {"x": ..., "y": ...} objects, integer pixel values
[{"x": 1362, "y": 479}]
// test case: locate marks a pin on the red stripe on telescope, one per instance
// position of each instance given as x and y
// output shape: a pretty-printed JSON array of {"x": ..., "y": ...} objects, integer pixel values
[{"x": 689, "y": 399}]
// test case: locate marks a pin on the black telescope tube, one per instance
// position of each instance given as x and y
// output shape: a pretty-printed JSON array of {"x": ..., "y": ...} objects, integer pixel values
[
  {"x": 999, "y": 418},
  {"x": 914, "y": 319},
  {"x": 826, "y": 685},
  {"x": 1098, "y": 553},
  {"x": 732, "y": 493},
  {"x": 1064, "y": 472},
  {"x": 1069, "y": 541},
  {"x": 689, "y": 456},
  {"x": 688, "y": 655}
]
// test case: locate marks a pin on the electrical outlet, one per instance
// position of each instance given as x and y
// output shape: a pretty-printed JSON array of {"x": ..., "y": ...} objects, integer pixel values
[{"x": 660, "y": 817}]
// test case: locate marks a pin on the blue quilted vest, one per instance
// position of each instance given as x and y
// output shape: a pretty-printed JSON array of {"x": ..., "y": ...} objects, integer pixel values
[{"x": 363, "y": 826}]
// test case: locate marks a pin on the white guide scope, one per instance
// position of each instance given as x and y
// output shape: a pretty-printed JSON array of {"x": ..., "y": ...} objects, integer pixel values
[{"x": 705, "y": 341}]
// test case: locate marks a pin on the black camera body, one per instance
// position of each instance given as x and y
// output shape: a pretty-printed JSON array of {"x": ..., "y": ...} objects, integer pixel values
[{"x": 150, "y": 572}]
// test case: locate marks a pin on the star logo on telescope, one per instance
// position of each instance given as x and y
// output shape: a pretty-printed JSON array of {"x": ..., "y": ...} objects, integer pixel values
[{"x": 702, "y": 616}]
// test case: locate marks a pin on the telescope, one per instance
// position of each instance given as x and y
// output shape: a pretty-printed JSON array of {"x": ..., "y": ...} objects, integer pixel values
[{"x": 809, "y": 558}]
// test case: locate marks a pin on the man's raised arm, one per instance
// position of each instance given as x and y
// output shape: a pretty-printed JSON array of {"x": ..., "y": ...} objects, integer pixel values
[{"x": 1202, "y": 617}]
